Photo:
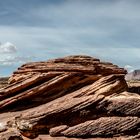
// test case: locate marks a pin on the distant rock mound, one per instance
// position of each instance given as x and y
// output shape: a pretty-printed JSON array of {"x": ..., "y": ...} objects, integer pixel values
[
  {"x": 3, "y": 81},
  {"x": 75, "y": 96},
  {"x": 133, "y": 80},
  {"x": 135, "y": 75}
]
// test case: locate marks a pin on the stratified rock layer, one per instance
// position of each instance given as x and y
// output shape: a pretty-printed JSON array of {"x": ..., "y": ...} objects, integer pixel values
[{"x": 74, "y": 96}]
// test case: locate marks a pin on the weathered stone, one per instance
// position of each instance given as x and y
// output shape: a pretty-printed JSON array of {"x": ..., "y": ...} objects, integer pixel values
[
  {"x": 84, "y": 64},
  {"x": 11, "y": 135},
  {"x": 56, "y": 131},
  {"x": 74, "y": 96},
  {"x": 3, "y": 127},
  {"x": 123, "y": 104},
  {"x": 108, "y": 126}
]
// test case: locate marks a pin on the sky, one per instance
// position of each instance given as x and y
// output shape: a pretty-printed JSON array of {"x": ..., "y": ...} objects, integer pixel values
[{"x": 38, "y": 30}]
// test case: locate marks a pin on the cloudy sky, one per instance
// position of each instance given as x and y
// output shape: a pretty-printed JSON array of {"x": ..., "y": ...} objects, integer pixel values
[{"x": 34, "y": 30}]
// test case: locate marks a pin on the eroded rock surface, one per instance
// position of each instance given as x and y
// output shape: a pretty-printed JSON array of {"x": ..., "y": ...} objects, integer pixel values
[{"x": 74, "y": 96}]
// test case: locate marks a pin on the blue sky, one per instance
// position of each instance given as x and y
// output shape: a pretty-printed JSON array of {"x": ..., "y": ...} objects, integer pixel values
[{"x": 34, "y": 30}]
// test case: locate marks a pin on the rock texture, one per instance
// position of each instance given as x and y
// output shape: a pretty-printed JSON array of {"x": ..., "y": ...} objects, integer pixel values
[
  {"x": 74, "y": 96},
  {"x": 134, "y": 86}
]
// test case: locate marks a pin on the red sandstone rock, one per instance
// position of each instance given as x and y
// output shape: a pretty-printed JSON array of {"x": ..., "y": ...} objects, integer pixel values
[{"x": 74, "y": 96}]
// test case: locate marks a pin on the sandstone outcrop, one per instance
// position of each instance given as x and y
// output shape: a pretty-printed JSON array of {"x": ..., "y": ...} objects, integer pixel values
[
  {"x": 134, "y": 86},
  {"x": 75, "y": 96}
]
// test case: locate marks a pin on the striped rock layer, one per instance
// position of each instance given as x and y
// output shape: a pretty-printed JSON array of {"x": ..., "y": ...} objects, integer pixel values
[{"x": 75, "y": 96}]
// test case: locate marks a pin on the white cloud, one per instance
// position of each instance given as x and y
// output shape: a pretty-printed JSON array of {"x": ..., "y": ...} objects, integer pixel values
[
  {"x": 7, "y": 48},
  {"x": 11, "y": 56},
  {"x": 105, "y": 29},
  {"x": 45, "y": 43},
  {"x": 129, "y": 68},
  {"x": 82, "y": 11},
  {"x": 15, "y": 60}
]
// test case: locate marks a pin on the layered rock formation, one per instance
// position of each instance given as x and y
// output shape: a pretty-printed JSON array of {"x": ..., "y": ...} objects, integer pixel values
[{"x": 75, "y": 96}]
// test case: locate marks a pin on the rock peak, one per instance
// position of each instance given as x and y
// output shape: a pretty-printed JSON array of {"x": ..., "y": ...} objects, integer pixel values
[{"x": 74, "y": 63}]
